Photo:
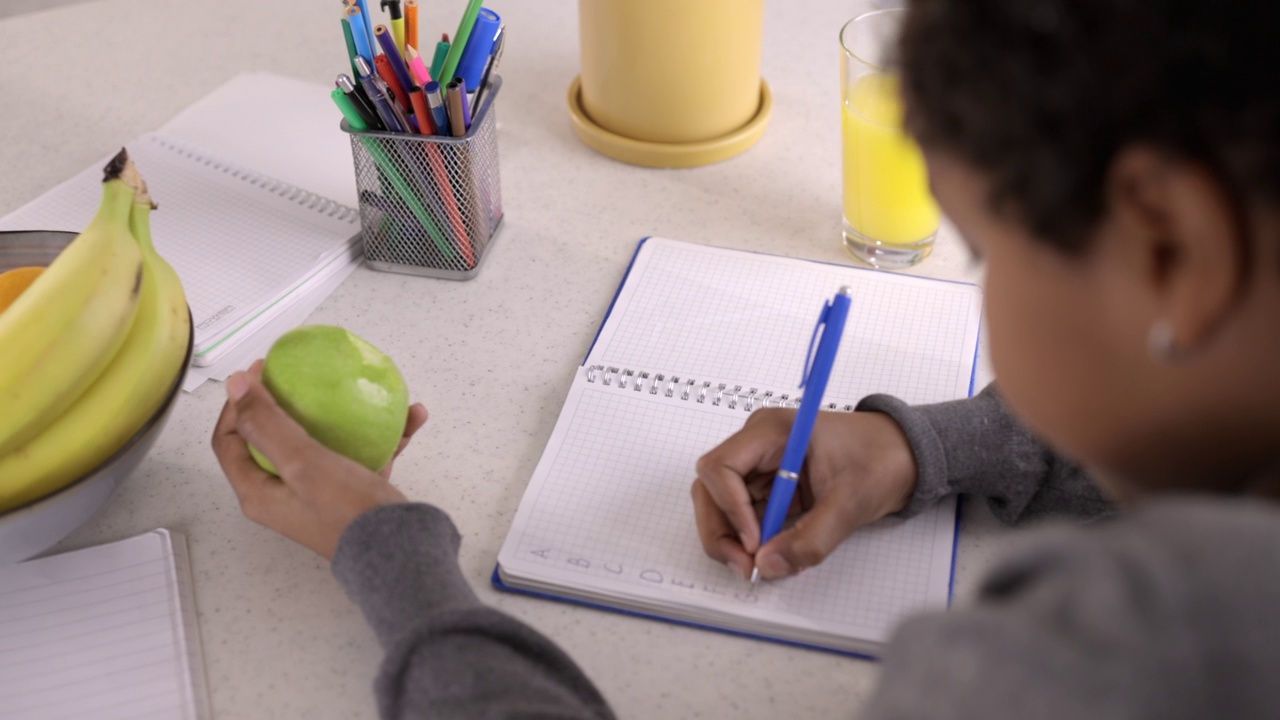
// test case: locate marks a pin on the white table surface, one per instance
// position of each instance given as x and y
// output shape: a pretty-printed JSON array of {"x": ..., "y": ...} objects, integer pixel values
[{"x": 492, "y": 358}]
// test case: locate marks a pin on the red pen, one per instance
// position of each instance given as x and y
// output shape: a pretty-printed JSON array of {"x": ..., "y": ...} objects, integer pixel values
[{"x": 388, "y": 76}]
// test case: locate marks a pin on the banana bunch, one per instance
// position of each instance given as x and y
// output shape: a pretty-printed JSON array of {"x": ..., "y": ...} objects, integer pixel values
[{"x": 91, "y": 349}]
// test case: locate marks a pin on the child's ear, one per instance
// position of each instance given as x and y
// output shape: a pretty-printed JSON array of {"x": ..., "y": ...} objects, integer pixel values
[{"x": 1184, "y": 238}]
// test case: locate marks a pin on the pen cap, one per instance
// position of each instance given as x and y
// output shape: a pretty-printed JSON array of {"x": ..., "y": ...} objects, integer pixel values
[
  {"x": 670, "y": 83},
  {"x": 479, "y": 46}
]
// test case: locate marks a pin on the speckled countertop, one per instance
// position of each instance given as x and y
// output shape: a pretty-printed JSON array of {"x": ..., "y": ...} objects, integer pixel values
[{"x": 492, "y": 358}]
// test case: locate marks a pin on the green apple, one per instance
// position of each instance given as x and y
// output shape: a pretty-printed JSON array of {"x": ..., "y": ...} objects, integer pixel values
[{"x": 347, "y": 393}]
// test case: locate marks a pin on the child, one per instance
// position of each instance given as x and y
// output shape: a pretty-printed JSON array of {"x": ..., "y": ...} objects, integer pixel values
[{"x": 1117, "y": 165}]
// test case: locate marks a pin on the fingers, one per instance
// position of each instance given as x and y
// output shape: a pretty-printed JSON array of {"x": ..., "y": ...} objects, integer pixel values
[
  {"x": 263, "y": 424},
  {"x": 413, "y": 423},
  {"x": 719, "y": 538},
  {"x": 417, "y": 418},
  {"x": 256, "y": 490},
  {"x": 813, "y": 537},
  {"x": 722, "y": 472}
]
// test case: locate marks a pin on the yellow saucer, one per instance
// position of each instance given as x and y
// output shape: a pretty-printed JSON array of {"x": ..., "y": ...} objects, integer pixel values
[{"x": 667, "y": 155}]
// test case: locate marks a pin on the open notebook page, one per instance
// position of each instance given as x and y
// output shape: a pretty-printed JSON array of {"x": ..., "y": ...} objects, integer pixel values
[
  {"x": 725, "y": 315},
  {"x": 100, "y": 633},
  {"x": 607, "y": 512},
  {"x": 239, "y": 242}
]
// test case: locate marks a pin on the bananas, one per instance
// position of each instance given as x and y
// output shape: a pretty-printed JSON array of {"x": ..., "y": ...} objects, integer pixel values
[
  {"x": 125, "y": 376},
  {"x": 61, "y": 333}
]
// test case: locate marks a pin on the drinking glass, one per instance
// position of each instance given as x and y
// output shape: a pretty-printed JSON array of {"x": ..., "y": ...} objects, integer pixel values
[{"x": 890, "y": 217}]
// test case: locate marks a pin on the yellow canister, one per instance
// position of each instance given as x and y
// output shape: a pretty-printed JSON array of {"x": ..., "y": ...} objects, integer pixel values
[{"x": 670, "y": 83}]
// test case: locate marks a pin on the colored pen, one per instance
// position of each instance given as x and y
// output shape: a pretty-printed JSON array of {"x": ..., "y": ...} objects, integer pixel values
[
  {"x": 410, "y": 23},
  {"x": 460, "y": 39},
  {"x": 376, "y": 89},
  {"x": 437, "y": 61},
  {"x": 351, "y": 42},
  {"x": 388, "y": 44},
  {"x": 348, "y": 88},
  {"x": 475, "y": 56},
  {"x": 435, "y": 103},
  {"x": 455, "y": 104},
  {"x": 460, "y": 87},
  {"x": 417, "y": 68},
  {"x": 361, "y": 35},
  {"x": 343, "y": 101},
  {"x": 419, "y": 101},
  {"x": 398, "y": 93},
  {"x": 498, "y": 43},
  {"x": 831, "y": 323},
  {"x": 397, "y": 21}
]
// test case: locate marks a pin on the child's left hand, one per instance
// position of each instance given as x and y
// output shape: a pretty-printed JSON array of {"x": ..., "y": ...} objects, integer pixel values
[{"x": 319, "y": 492}]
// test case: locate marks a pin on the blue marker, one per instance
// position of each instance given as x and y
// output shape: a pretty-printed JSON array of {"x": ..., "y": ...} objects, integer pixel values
[
  {"x": 816, "y": 374},
  {"x": 479, "y": 47}
]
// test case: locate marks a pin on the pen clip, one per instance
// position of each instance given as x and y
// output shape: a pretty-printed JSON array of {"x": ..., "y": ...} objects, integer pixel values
[{"x": 813, "y": 343}]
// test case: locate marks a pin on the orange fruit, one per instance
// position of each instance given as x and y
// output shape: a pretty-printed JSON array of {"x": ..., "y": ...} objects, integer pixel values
[{"x": 14, "y": 282}]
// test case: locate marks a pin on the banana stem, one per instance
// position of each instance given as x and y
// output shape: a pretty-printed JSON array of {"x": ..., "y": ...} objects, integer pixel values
[{"x": 121, "y": 184}]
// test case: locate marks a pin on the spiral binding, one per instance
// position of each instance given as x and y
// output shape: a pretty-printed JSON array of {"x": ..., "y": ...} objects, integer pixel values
[
  {"x": 292, "y": 193},
  {"x": 702, "y": 392}
]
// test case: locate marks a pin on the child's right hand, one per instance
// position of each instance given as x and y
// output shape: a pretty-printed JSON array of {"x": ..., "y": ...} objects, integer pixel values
[{"x": 859, "y": 468}]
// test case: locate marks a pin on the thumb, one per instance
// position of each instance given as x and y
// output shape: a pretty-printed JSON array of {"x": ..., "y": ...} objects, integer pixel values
[
  {"x": 267, "y": 427},
  {"x": 809, "y": 541}
]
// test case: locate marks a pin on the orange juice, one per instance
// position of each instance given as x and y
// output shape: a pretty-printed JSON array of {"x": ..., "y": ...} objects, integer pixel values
[{"x": 886, "y": 190}]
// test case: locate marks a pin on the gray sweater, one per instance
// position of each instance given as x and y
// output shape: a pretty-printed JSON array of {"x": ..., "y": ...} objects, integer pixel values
[{"x": 1167, "y": 612}]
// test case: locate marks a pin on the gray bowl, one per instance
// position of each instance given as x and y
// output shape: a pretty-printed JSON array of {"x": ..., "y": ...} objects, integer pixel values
[{"x": 35, "y": 527}]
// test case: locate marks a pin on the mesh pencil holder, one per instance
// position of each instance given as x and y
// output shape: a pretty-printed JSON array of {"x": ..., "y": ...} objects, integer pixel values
[{"x": 430, "y": 204}]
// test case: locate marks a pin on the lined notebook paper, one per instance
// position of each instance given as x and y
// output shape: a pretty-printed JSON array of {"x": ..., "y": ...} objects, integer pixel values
[
  {"x": 105, "y": 632},
  {"x": 242, "y": 243},
  {"x": 698, "y": 338}
]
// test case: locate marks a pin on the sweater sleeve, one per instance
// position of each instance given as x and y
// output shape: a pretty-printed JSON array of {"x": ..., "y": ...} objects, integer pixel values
[
  {"x": 447, "y": 654},
  {"x": 975, "y": 446}
]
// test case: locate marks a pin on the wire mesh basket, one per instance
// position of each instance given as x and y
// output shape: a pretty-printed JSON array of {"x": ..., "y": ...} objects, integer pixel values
[{"x": 430, "y": 204}]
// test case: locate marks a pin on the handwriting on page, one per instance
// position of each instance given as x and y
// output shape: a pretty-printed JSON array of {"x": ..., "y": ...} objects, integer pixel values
[{"x": 645, "y": 574}]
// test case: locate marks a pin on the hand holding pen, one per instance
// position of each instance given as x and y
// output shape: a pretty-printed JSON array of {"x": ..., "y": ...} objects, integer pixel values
[{"x": 858, "y": 469}]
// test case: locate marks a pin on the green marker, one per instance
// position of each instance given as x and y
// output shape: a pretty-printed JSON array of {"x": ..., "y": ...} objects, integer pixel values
[
  {"x": 437, "y": 62},
  {"x": 460, "y": 39},
  {"x": 392, "y": 173},
  {"x": 351, "y": 47}
]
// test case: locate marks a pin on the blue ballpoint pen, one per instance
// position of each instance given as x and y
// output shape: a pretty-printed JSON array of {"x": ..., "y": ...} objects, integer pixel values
[{"x": 817, "y": 372}]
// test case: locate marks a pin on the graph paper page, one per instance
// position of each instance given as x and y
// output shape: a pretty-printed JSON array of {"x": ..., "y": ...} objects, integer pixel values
[
  {"x": 729, "y": 316},
  {"x": 607, "y": 512}
]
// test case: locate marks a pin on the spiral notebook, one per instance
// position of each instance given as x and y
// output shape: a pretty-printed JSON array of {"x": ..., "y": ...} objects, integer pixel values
[
  {"x": 241, "y": 242},
  {"x": 696, "y": 339},
  {"x": 104, "y": 632}
]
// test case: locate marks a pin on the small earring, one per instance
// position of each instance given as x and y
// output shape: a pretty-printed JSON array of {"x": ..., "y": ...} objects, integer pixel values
[{"x": 1161, "y": 343}]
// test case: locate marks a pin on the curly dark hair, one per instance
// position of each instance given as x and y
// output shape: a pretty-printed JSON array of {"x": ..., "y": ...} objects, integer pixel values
[{"x": 1040, "y": 95}]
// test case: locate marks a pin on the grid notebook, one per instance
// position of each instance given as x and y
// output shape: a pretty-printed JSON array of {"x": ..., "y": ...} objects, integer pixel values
[
  {"x": 241, "y": 242},
  {"x": 697, "y": 338},
  {"x": 104, "y": 632}
]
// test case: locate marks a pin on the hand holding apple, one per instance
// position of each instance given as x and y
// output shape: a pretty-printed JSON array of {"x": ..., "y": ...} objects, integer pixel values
[
  {"x": 346, "y": 393},
  {"x": 318, "y": 492}
]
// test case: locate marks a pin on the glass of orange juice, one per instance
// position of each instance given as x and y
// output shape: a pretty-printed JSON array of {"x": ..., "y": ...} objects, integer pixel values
[{"x": 890, "y": 218}]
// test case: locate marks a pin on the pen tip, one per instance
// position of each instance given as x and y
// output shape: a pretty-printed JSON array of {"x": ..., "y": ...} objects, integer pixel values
[{"x": 755, "y": 576}]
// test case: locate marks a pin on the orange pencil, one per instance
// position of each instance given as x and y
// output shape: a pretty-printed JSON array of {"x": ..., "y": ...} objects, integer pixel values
[
  {"x": 411, "y": 23},
  {"x": 425, "y": 126}
]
